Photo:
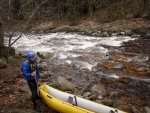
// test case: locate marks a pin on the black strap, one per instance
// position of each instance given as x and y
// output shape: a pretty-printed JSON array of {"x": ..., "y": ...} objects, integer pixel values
[{"x": 75, "y": 100}]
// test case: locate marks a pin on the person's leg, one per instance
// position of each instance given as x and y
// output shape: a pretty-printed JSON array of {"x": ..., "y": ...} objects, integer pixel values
[
  {"x": 33, "y": 88},
  {"x": 34, "y": 97}
]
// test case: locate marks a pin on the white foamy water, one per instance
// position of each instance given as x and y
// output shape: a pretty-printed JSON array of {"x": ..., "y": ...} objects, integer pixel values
[{"x": 68, "y": 46}]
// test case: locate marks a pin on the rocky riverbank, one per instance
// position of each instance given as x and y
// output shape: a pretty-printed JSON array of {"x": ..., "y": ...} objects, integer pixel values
[
  {"x": 118, "y": 27},
  {"x": 120, "y": 79}
]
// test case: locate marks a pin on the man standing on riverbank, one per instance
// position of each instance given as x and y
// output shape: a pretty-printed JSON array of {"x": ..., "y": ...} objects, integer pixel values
[{"x": 31, "y": 72}]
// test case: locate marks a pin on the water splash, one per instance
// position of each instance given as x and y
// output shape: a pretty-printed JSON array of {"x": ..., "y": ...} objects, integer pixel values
[{"x": 68, "y": 46}]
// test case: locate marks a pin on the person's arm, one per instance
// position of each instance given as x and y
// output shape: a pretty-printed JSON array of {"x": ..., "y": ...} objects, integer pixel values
[{"x": 26, "y": 69}]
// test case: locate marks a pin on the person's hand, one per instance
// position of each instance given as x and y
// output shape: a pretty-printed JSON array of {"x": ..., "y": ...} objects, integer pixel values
[
  {"x": 33, "y": 73},
  {"x": 39, "y": 79}
]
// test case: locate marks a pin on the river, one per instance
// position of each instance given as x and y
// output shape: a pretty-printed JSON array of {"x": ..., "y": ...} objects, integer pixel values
[{"x": 68, "y": 46}]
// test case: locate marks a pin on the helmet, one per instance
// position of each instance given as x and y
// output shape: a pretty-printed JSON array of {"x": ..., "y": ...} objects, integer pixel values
[{"x": 30, "y": 54}]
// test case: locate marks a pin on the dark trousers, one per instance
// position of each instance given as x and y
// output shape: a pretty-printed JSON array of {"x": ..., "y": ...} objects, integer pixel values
[{"x": 33, "y": 87}]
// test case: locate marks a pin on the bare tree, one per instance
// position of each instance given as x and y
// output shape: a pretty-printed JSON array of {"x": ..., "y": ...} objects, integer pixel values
[{"x": 12, "y": 25}]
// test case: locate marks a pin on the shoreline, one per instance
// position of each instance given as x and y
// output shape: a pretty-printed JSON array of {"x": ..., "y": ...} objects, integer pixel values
[{"x": 120, "y": 27}]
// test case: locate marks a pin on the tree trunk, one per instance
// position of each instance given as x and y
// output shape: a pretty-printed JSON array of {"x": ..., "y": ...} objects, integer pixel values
[
  {"x": 90, "y": 7},
  {"x": 1, "y": 35},
  {"x": 91, "y": 10}
]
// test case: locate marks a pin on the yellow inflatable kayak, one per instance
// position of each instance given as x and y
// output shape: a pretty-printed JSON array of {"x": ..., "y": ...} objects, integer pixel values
[{"x": 68, "y": 103}]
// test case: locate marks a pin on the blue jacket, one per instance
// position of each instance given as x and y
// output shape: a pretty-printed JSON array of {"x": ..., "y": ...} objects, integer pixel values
[{"x": 26, "y": 70}]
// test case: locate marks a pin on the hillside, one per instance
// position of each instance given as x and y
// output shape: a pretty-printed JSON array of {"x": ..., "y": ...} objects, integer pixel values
[{"x": 109, "y": 15}]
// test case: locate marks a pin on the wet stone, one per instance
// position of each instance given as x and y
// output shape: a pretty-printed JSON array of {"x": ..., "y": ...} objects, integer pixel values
[
  {"x": 147, "y": 109},
  {"x": 118, "y": 67},
  {"x": 107, "y": 102},
  {"x": 1, "y": 87},
  {"x": 124, "y": 80},
  {"x": 87, "y": 94}
]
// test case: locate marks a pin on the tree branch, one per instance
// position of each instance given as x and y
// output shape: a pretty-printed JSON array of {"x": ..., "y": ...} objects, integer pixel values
[
  {"x": 23, "y": 7},
  {"x": 28, "y": 22}
]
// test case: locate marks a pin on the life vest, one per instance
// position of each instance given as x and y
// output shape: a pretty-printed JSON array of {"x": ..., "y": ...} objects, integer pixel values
[{"x": 32, "y": 66}]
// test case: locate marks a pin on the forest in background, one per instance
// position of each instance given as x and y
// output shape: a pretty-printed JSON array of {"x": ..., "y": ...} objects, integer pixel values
[{"x": 73, "y": 11}]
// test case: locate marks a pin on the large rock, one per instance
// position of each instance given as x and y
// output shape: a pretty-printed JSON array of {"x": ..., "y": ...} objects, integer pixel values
[
  {"x": 99, "y": 89},
  {"x": 16, "y": 60},
  {"x": 43, "y": 26},
  {"x": 24, "y": 88},
  {"x": 44, "y": 55},
  {"x": 65, "y": 84}
]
